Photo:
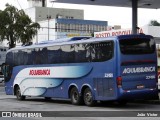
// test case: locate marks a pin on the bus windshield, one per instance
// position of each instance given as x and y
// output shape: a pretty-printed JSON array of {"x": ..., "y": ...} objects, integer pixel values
[{"x": 137, "y": 46}]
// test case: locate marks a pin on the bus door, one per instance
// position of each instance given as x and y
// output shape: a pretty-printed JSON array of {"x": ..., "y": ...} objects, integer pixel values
[
  {"x": 138, "y": 64},
  {"x": 5, "y": 71}
]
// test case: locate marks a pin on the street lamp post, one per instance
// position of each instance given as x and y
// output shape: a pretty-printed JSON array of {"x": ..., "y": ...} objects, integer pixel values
[{"x": 48, "y": 17}]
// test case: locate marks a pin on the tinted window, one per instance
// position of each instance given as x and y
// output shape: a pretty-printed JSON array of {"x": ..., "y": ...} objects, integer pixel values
[
  {"x": 94, "y": 52},
  {"x": 41, "y": 56},
  {"x": 82, "y": 53},
  {"x": 37, "y": 56},
  {"x": 77, "y": 53},
  {"x": 137, "y": 46},
  {"x": 29, "y": 57},
  {"x": 9, "y": 59},
  {"x": 67, "y": 55},
  {"x": 54, "y": 54},
  {"x": 44, "y": 55},
  {"x": 25, "y": 57},
  {"x": 102, "y": 51},
  {"x": 15, "y": 56},
  {"x": 18, "y": 57}
]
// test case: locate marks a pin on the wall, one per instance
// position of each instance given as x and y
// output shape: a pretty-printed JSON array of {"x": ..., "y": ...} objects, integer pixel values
[{"x": 40, "y": 13}]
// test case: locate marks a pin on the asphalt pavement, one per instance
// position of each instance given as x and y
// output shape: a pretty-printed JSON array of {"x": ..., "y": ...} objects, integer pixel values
[{"x": 59, "y": 108}]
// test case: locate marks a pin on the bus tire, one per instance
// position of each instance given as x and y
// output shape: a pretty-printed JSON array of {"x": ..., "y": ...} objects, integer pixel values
[
  {"x": 88, "y": 97},
  {"x": 75, "y": 96},
  {"x": 18, "y": 94}
]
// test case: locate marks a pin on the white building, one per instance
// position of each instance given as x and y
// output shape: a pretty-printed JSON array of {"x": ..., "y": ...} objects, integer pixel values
[
  {"x": 34, "y": 3},
  {"x": 59, "y": 22},
  {"x": 37, "y": 13}
]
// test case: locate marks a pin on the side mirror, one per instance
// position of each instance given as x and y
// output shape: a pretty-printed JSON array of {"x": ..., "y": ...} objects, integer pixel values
[{"x": 5, "y": 69}]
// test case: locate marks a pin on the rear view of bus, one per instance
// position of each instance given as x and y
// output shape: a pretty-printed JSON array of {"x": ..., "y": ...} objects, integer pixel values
[{"x": 137, "y": 74}]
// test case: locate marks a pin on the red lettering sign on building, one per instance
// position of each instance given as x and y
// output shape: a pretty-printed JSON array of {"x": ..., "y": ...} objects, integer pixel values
[{"x": 115, "y": 33}]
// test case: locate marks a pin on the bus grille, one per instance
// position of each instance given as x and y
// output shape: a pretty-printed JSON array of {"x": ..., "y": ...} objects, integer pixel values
[{"x": 104, "y": 87}]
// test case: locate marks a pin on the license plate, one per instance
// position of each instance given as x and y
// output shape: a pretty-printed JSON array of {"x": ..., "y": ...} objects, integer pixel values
[{"x": 140, "y": 86}]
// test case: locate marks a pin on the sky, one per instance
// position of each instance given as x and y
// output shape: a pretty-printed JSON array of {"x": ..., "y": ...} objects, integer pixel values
[{"x": 114, "y": 15}]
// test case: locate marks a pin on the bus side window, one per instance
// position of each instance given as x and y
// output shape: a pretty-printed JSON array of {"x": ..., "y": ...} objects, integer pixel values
[
  {"x": 102, "y": 51},
  {"x": 87, "y": 52},
  {"x": 82, "y": 53},
  {"x": 44, "y": 56},
  {"x": 41, "y": 56},
  {"x": 15, "y": 56},
  {"x": 29, "y": 55},
  {"x": 93, "y": 52},
  {"x": 54, "y": 54},
  {"x": 25, "y": 56},
  {"x": 10, "y": 58},
  {"x": 37, "y": 56},
  {"x": 20, "y": 58},
  {"x": 67, "y": 55}
]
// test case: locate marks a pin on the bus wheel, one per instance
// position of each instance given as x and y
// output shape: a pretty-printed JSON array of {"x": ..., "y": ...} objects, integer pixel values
[
  {"x": 75, "y": 97},
  {"x": 18, "y": 94},
  {"x": 88, "y": 97}
]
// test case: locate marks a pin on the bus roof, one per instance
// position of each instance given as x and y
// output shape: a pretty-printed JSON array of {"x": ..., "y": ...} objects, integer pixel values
[
  {"x": 75, "y": 40},
  {"x": 61, "y": 40}
]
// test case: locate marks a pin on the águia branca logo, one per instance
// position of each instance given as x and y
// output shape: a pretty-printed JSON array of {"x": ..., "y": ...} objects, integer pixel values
[{"x": 139, "y": 70}]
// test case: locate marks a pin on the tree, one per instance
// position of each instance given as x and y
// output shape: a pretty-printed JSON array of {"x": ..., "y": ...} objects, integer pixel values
[
  {"x": 16, "y": 26},
  {"x": 154, "y": 23}
]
